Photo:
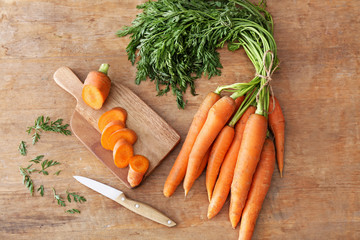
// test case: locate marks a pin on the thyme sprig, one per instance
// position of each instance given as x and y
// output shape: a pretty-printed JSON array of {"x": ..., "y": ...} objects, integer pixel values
[
  {"x": 76, "y": 197},
  {"x": 59, "y": 199},
  {"x": 46, "y": 164},
  {"x": 22, "y": 148}
]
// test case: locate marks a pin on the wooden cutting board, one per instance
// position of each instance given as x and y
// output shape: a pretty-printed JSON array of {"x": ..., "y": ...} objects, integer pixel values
[{"x": 156, "y": 138}]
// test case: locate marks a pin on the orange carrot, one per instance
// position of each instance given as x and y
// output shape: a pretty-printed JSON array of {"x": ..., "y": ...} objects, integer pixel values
[
  {"x": 248, "y": 158},
  {"x": 110, "y": 128},
  {"x": 216, "y": 158},
  {"x": 217, "y": 117},
  {"x": 126, "y": 133},
  {"x": 178, "y": 170},
  {"x": 238, "y": 101},
  {"x": 96, "y": 87},
  {"x": 116, "y": 113},
  {"x": 223, "y": 183},
  {"x": 138, "y": 167},
  {"x": 258, "y": 190},
  {"x": 277, "y": 125},
  {"x": 204, "y": 161},
  {"x": 122, "y": 153}
]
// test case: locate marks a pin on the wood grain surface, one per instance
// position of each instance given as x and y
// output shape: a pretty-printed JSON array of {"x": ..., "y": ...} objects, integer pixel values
[
  {"x": 148, "y": 125},
  {"x": 317, "y": 85}
]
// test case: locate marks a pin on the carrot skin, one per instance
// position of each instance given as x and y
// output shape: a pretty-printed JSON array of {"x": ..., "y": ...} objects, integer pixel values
[
  {"x": 216, "y": 158},
  {"x": 259, "y": 188},
  {"x": 277, "y": 125},
  {"x": 248, "y": 158},
  {"x": 204, "y": 161},
  {"x": 223, "y": 183},
  {"x": 217, "y": 117},
  {"x": 178, "y": 170}
]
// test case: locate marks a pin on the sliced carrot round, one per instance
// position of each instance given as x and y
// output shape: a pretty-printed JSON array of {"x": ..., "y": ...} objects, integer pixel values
[
  {"x": 110, "y": 128},
  {"x": 139, "y": 163},
  {"x": 122, "y": 153},
  {"x": 128, "y": 134},
  {"x": 116, "y": 113}
]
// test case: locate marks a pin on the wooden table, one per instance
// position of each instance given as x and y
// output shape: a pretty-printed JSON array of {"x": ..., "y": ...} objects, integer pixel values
[{"x": 318, "y": 87}]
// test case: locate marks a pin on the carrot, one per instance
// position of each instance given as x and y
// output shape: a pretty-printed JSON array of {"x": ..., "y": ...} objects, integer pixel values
[
  {"x": 123, "y": 151},
  {"x": 216, "y": 158},
  {"x": 217, "y": 117},
  {"x": 178, "y": 170},
  {"x": 277, "y": 125},
  {"x": 204, "y": 161},
  {"x": 96, "y": 87},
  {"x": 138, "y": 167},
  {"x": 239, "y": 101},
  {"x": 116, "y": 113},
  {"x": 223, "y": 183},
  {"x": 110, "y": 128},
  {"x": 248, "y": 158},
  {"x": 126, "y": 133},
  {"x": 258, "y": 190}
]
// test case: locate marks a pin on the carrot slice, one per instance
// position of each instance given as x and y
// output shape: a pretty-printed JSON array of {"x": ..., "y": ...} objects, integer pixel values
[
  {"x": 125, "y": 133},
  {"x": 138, "y": 167},
  {"x": 96, "y": 87},
  {"x": 110, "y": 128},
  {"x": 122, "y": 153},
  {"x": 116, "y": 113}
]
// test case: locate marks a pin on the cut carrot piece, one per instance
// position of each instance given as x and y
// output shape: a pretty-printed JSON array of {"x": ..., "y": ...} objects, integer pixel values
[
  {"x": 122, "y": 153},
  {"x": 125, "y": 133},
  {"x": 96, "y": 87},
  {"x": 138, "y": 167},
  {"x": 110, "y": 128},
  {"x": 116, "y": 113}
]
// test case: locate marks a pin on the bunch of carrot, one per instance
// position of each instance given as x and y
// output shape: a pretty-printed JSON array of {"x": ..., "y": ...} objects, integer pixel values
[
  {"x": 116, "y": 137},
  {"x": 230, "y": 134}
]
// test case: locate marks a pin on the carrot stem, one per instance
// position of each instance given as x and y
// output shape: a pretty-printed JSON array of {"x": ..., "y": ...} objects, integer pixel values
[{"x": 104, "y": 68}]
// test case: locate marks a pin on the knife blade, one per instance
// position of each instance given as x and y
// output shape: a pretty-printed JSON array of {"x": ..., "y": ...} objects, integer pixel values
[{"x": 119, "y": 197}]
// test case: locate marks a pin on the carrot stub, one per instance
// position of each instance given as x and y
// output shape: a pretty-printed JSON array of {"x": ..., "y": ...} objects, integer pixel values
[
  {"x": 217, "y": 155},
  {"x": 259, "y": 188},
  {"x": 223, "y": 183},
  {"x": 116, "y": 113},
  {"x": 248, "y": 158},
  {"x": 125, "y": 133},
  {"x": 178, "y": 170},
  {"x": 138, "y": 167},
  {"x": 96, "y": 87},
  {"x": 122, "y": 153},
  {"x": 110, "y": 128},
  {"x": 277, "y": 125},
  {"x": 217, "y": 117}
]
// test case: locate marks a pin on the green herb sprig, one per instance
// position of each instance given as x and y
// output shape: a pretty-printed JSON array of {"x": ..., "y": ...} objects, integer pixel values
[
  {"x": 59, "y": 199},
  {"x": 22, "y": 148},
  {"x": 44, "y": 124},
  {"x": 72, "y": 211},
  {"x": 27, "y": 181},
  {"x": 76, "y": 197},
  {"x": 41, "y": 190},
  {"x": 46, "y": 164},
  {"x": 37, "y": 159}
]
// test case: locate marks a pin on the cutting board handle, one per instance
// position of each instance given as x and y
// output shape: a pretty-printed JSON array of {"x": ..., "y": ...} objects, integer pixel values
[{"x": 66, "y": 79}]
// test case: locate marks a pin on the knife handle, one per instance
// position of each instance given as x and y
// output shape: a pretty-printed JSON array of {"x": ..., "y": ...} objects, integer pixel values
[{"x": 145, "y": 210}]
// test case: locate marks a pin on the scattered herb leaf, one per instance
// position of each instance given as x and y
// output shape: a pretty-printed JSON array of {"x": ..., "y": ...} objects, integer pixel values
[
  {"x": 27, "y": 181},
  {"x": 37, "y": 159},
  {"x": 47, "y": 163},
  {"x": 41, "y": 190},
  {"x": 77, "y": 198},
  {"x": 59, "y": 199},
  {"x": 57, "y": 173},
  {"x": 22, "y": 148},
  {"x": 72, "y": 211}
]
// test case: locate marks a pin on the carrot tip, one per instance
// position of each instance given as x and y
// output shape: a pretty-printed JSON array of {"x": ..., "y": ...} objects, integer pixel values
[
  {"x": 186, "y": 192},
  {"x": 281, "y": 175}
]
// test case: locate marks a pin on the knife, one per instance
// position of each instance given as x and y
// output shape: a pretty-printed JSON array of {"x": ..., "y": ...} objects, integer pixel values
[{"x": 119, "y": 197}]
